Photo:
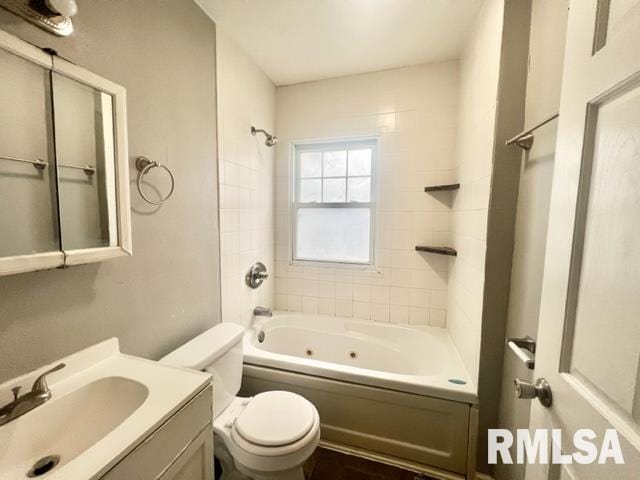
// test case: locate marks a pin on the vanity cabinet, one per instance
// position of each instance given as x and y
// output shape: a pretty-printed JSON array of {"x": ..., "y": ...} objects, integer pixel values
[
  {"x": 64, "y": 182},
  {"x": 180, "y": 449}
]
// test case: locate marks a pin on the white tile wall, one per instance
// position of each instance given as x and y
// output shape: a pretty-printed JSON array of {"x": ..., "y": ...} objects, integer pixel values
[
  {"x": 479, "y": 70},
  {"x": 246, "y": 97},
  {"x": 414, "y": 112}
]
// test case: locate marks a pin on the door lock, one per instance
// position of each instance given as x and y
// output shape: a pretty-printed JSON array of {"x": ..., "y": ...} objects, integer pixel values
[{"x": 541, "y": 390}]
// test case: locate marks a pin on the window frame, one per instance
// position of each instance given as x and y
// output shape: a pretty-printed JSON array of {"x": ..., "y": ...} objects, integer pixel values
[{"x": 295, "y": 205}]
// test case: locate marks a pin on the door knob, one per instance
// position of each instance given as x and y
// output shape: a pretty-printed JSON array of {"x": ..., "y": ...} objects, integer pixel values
[{"x": 541, "y": 390}]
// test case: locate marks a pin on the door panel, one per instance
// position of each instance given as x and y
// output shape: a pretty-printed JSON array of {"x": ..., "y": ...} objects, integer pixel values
[
  {"x": 589, "y": 330},
  {"x": 612, "y": 16},
  {"x": 604, "y": 301}
]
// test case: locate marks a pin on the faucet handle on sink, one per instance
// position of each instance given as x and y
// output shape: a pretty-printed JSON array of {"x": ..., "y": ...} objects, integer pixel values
[
  {"x": 16, "y": 392},
  {"x": 40, "y": 385}
]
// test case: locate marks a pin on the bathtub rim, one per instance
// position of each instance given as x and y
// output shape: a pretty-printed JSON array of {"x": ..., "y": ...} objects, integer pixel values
[{"x": 430, "y": 386}]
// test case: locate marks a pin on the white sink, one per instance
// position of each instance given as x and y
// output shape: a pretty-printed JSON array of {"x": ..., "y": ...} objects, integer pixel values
[
  {"x": 103, "y": 404},
  {"x": 65, "y": 427}
]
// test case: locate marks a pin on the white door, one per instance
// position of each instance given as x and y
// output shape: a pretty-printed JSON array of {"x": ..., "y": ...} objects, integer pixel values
[{"x": 589, "y": 331}]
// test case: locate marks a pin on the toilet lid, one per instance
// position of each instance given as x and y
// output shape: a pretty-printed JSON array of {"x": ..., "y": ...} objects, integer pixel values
[{"x": 275, "y": 418}]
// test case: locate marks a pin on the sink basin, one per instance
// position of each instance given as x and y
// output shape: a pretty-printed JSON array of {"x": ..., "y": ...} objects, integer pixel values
[
  {"x": 67, "y": 425},
  {"x": 104, "y": 404}
]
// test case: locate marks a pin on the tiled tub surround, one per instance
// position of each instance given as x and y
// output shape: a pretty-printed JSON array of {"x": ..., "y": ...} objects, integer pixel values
[
  {"x": 245, "y": 97},
  {"x": 479, "y": 69},
  {"x": 413, "y": 112}
]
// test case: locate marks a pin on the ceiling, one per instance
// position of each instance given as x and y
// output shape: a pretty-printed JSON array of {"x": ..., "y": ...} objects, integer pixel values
[{"x": 301, "y": 40}]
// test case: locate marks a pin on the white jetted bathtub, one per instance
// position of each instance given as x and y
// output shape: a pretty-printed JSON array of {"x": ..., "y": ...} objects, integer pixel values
[{"x": 391, "y": 391}]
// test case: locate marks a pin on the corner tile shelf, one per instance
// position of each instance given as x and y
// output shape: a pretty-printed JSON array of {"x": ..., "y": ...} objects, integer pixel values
[
  {"x": 438, "y": 250},
  {"x": 442, "y": 188}
]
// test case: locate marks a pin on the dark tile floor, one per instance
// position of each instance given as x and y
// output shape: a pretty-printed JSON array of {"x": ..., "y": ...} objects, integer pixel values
[{"x": 330, "y": 465}]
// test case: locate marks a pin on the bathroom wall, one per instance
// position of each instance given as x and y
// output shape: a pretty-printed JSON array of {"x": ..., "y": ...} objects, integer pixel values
[
  {"x": 546, "y": 55},
  {"x": 246, "y": 171},
  {"x": 479, "y": 74},
  {"x": 168, "y": 291},
  {"x": 413, "y": 111},
  {"x": 502, "y": 213}
]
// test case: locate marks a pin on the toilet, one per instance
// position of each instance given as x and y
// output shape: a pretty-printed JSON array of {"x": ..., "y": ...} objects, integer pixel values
[{"x": 268, "y": 436}]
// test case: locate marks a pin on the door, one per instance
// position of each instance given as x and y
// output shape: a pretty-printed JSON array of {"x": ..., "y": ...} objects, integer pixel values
[{"x": 589, "y": 332}]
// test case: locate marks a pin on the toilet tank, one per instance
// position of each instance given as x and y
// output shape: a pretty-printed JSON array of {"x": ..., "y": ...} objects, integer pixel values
[{"x": 217, "y": 351}]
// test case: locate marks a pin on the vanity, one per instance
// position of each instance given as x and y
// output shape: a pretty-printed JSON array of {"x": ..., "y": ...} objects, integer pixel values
[{"x": 110, "y": 416}]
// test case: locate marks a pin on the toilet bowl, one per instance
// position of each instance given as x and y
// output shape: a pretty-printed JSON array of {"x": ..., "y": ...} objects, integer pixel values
[{"x": 268, "y": 436}]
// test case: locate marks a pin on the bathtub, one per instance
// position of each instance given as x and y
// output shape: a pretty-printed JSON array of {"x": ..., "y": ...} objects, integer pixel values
[{"x": 396, "y": 393}]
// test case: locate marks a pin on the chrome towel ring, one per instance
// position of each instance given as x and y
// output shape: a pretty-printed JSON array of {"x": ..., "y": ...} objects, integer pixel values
[{"x": 143, "y": 164}]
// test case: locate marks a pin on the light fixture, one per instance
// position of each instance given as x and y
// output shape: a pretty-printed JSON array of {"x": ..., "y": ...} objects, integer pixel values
[{"x": 51, "y": 15}]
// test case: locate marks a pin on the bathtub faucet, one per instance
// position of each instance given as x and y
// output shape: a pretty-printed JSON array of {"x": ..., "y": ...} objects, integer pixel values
[{"x": 262, "y": 312}]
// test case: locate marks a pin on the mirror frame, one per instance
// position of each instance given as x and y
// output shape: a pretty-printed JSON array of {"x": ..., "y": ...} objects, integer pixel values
[{"x": 65, "y": 258}]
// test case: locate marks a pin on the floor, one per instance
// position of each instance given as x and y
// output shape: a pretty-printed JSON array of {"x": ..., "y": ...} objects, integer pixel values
[{"x": 330, "y": 465}]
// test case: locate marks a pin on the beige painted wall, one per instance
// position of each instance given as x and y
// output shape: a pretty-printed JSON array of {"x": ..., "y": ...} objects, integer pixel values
[
  {"x": 246, "y": 97},
  {"x": 546, "y": 55},
  {"x": 164, "y": 54}
]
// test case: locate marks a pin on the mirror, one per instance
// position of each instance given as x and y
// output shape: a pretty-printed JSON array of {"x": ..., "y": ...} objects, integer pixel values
[
  {"x": 28, "y": 200},
  {"x": 86, "y": 164},
  {"x": 64, "y": 185}
]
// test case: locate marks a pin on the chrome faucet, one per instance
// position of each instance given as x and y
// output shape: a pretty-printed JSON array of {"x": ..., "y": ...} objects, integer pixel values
[
  {"x": 262, "y": 312},
  {"x": 20, "y": 405}
]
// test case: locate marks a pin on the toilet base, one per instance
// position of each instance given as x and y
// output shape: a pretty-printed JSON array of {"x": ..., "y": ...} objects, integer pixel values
[
  {"x": 292, "y": 474},
  {"x": 233, "y": 471}
]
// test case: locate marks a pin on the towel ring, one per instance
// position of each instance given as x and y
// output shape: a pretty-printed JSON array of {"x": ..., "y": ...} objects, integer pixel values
[{"x": 143, "y": 164}]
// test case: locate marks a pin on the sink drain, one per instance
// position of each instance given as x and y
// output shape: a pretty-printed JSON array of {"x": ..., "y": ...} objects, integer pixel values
[{"x": 44, "y": 465}]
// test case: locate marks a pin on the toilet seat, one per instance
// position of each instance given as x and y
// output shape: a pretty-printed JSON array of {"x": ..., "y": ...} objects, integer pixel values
[
  {"x": 268, "y": 458},
  {"x": 274, "y": 419}
]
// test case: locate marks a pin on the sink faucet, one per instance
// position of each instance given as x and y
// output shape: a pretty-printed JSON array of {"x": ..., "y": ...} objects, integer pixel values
[
  {"x": 262, "y": 312},
  {"x": 20, "y": 405}
]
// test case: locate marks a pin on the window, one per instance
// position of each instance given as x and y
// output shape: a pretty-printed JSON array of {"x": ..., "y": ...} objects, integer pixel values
[{"x": 334, "y": 202}]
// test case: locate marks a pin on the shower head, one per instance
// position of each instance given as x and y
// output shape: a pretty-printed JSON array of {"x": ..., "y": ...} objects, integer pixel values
[{"x": 271, "y": 139}]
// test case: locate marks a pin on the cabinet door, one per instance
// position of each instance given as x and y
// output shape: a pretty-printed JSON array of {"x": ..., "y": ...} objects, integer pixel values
[
  {"x": 156, "y": 456},
  {"x": 29, "y": 230},
  {"x": 196, "y": 462}
]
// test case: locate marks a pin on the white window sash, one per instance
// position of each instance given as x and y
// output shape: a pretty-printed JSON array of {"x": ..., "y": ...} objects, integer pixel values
[{"x": 296, "y": 205}]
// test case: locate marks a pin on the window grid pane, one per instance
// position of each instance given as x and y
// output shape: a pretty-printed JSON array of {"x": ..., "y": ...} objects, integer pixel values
[
  {"x": 334, "y": 163},
  {"x": 359, "y": 189},
  {"x": 359, "y": 162},
  {"x": 341, "y": 179},
  {"x": 310, "y": 164}
]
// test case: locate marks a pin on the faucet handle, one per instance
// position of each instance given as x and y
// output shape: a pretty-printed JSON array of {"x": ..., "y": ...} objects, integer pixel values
[
  {"x": 16, "y": 392},
  {"x": 40, "y": 385}
]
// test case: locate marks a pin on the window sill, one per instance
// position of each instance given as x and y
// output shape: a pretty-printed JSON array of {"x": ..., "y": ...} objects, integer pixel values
[{"x": 335, "y": 265}]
